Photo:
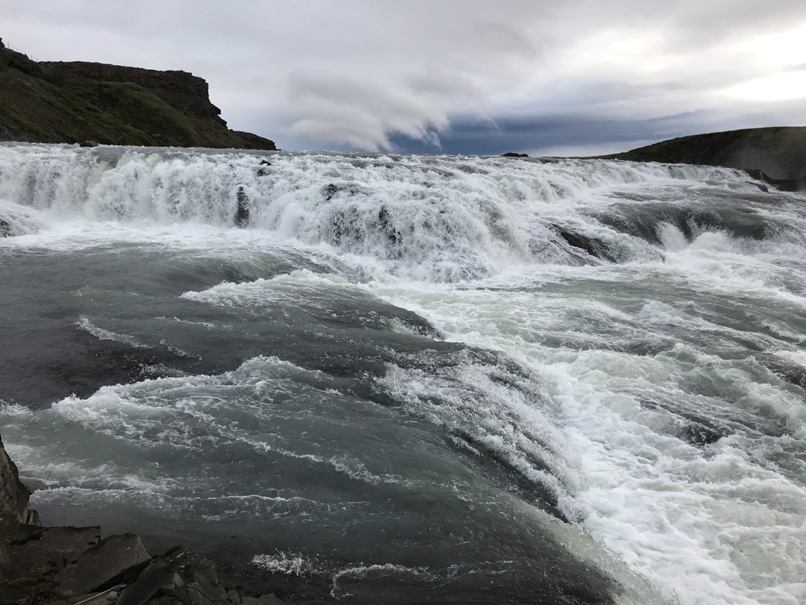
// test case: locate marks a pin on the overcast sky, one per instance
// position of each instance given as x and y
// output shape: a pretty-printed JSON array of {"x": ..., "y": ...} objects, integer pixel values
[{"x": 455, "y": 76}]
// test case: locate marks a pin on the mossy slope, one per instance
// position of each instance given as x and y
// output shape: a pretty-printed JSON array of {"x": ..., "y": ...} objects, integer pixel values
[
  {"x": 75, "y": 102},
  {"x": 779, "y": 152}
]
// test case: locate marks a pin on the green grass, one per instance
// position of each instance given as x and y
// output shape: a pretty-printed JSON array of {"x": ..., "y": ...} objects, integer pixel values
[
  {"x": 136, "y": 106},
  {"x": 32, "y": 109}
]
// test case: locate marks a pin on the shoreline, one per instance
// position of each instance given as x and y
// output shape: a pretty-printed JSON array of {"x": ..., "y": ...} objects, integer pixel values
[{"x": 74, "y": 565}]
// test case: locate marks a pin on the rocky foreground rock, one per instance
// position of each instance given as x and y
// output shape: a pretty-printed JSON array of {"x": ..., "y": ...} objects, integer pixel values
[{"x": 75, "y": 566}]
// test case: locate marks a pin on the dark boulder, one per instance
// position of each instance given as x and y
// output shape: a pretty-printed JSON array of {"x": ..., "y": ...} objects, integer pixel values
[
  {"x": 179, "y": 576},
  {"x": 512, "y": 154},
  {"x": 328, "y": 191},
  {"x": 114, "y": 560},
  {"x": 242, "y": 214},
  {"x": 262, "y": 170},
  {"x": 589, "y": 245}
]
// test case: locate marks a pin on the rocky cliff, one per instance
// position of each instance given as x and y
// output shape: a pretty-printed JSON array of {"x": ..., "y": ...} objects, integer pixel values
[
  {"x": 779, "y": 153},
  {"x": 70, "y": 102}
]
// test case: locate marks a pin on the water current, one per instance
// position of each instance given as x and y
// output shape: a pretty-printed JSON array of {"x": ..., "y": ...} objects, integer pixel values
[{"x": 408, "y": 379}]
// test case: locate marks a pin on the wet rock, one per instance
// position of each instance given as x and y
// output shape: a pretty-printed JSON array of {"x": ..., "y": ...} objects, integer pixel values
[
  {"x": 591, "y": 246},
  {"x": 266, "y": 599},
  {"x": 793, "y": 185},
  {"x": 512, "y": 154},
  {"x": 158, "y": 580},
  {"x": 701, "y": 435},
  {"x": 88, "y": 144},
  {"x": 71, "y": 565},
  {"x": 644, "y": 221},
  {"x": 262, "y": 171},
  {"x": 242, "y": 213},
  {"x": 114, "y": 560},
  {"x": 37, "y": 555},
  {"x": 392, "y": 234},
  {"x": 182, "y": 576},
  {"x": 53, "y": 547},
  {"x": 13, "y": 493},
  {"x": 328, "y": 191},
  {"x": 5, "y": 228}
]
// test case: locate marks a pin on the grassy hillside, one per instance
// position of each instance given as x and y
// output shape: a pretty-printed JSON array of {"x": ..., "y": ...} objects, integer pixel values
[
  {"x": 76, "y": 102},
  {"x": 778, "y": 152},
  {"x": 32, "y": 109}
]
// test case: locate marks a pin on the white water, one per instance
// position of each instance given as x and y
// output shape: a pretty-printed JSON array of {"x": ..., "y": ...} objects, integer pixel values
[{"x": 619, "y": 354}]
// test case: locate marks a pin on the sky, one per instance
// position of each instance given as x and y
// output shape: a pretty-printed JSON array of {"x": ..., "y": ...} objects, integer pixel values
[{"x": 577, "y": 77}]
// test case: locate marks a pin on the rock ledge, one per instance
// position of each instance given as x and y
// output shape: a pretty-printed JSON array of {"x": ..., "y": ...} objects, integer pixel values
[{"x": 74, "y": 565}]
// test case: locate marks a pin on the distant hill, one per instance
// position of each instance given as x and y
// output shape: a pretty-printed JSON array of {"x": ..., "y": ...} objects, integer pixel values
[
  {"x": 780, "y": 153},
  {"x": 55, "y": 102}
]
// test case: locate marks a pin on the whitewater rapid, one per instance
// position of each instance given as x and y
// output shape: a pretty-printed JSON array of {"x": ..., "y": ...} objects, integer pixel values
[{"x": 490, "y": 370}]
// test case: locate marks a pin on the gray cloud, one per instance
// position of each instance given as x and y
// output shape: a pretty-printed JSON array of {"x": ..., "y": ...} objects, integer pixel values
[{"x": 420, "y": 75}]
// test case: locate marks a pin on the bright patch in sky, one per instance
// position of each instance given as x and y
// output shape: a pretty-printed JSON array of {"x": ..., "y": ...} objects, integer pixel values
[{"x": 786, "y": 86}]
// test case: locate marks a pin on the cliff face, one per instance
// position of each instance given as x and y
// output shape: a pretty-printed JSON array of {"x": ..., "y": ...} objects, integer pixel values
[
  {"x": 780, "y": 153},
  {"x": 68, "y": 102}
]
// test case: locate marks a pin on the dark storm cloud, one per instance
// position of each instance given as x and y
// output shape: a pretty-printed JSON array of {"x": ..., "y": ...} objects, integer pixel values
[
  {"x": 425, "y": 75},
  {"x": 543, "y": 133}
]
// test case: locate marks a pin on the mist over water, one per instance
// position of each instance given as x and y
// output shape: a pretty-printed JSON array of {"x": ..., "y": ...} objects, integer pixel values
[{"x": 414, "y": 379}]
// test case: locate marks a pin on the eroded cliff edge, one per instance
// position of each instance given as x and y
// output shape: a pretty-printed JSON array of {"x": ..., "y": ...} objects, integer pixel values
[{"x": 72, "y": 102}]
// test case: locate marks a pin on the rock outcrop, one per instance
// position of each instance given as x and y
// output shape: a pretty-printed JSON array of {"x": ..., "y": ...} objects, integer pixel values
[
  {"x": 71, "y": 565},
  {"x": 13, "y": 494},
  {"x": 777, "y": 155},
  {"x": 73, "y": 102}
]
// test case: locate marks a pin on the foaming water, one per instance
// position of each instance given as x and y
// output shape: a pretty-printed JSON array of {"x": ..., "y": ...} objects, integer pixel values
[
  {"x": 432, "y": 218},
  {"x": 396, "y": 378}
]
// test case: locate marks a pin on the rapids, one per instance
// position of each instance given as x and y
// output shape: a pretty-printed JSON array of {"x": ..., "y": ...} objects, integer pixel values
[{"x": 418, "y": 379}]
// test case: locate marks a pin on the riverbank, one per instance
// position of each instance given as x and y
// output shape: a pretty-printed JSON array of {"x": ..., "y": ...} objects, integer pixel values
[{"x": 71, "y": 565}]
